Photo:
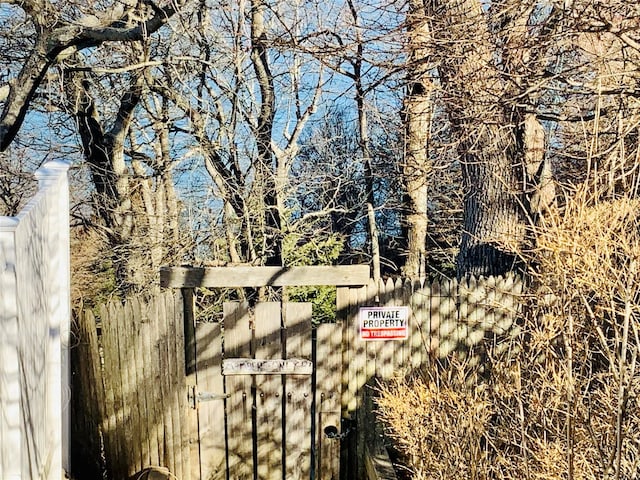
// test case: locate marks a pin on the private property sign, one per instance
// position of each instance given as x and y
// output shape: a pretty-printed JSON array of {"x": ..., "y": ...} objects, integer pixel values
[{"x": 384, "y": 323}]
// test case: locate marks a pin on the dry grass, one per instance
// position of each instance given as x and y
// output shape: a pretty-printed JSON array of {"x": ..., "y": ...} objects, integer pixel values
[
  {"x": 563, "y": 401},
  {"x": 437, "y": 423}
]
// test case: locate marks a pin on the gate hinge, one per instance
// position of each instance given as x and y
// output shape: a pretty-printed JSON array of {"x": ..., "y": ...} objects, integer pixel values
[{"x": 194, "y": 396}]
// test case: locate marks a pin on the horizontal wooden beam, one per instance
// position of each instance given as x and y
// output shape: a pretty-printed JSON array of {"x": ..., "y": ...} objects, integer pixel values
[
  {"x": 238, "y": 277},
  {"x": 254, "y": 366}
]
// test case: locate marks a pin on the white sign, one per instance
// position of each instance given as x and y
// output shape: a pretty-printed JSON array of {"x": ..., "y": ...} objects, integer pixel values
[
  {"x": 384, "y": 323},
  {"x": 254, "y": 366}
]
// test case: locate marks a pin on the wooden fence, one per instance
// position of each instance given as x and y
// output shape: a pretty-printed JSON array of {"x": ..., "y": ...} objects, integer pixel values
[
  {"x": 130, "y": 385},
  {"x": 447, "y": 316},
  {"x": 141, "y": 395},
  {"x": 34, "y": 331}
]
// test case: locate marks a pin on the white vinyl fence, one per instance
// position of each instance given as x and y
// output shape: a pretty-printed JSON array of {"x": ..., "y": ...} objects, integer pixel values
[{"x": 34, "y": 332}]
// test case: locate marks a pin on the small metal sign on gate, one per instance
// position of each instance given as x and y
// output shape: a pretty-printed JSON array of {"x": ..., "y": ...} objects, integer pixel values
[
  {"x": 384, "y": 323},
  {"x": 254, "y": 366}
]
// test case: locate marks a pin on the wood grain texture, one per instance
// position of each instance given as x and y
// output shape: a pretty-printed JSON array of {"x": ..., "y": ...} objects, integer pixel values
[
  {"x": 211, "y": 414},
  {"x": 220, "y": 277},
  {"x": 296, "y": 318},
  {"x": 240, "y": 404},
  {"x": 328, "y": 395},
  {"x": 269, "y": 391}
]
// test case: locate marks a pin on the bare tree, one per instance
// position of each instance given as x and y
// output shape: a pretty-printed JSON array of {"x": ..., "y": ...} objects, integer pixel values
[{"x": 490, "y": 63}]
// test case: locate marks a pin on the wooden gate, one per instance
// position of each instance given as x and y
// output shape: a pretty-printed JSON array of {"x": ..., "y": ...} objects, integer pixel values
[
  {"x": 261, "y": 383},
  {"x": 265, "y": 391}
]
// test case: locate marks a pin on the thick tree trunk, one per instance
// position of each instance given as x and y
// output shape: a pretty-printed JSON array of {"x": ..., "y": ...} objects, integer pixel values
[
  {"x": 417, "y": 121},
  {"x": 489, "y": 145},
  {"x": 493, "y": 214},
  {"x": 137, "y": 211}
]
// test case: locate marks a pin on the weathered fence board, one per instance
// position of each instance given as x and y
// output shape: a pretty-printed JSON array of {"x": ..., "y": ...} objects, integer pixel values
[
  {"x": 387, "y": 363},
  {"x": 134, "y": 311},
  {"x": 245, "y": 276},
  {"x": 210, "y": 431},
  {"x": 237, "y": 343},
  {"x": 419, "y": 328},
  {"x": 268, "y": 393},
  {"x": 329, "y": 389},
  {"x": 328, "y": 394},
  {"x": 296, "y": 319}
]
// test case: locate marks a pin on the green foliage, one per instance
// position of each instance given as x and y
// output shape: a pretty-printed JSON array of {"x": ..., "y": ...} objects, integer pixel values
[
  {"x": 322, "y": 298},
  {"x": 301, "y": 251}
]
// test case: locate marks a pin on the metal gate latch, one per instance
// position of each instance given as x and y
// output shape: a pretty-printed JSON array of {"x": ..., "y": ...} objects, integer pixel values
[
  {"x": 332, "y": 432},
  {"x": 194, "y": 397}
]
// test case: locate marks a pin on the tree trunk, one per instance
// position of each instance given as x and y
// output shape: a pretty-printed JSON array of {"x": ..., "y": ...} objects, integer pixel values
[
  {"x": 417, "y": 122},
  {"x": 272, "y": 243},
  {"x": 486, "y": 128},
  {"x": 138, "y": 211},
  {"x": 365, "y": 149}
]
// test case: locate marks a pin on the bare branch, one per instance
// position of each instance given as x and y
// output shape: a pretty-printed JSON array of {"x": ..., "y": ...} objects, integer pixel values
[{"x": 66, "y": 39}]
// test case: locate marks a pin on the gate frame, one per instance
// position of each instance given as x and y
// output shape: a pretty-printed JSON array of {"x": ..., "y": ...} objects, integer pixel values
[{"x": 343, "y": 277}]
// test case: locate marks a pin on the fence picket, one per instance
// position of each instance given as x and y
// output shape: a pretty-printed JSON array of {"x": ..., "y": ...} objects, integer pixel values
[
  {"x": 162, "y": 386},
  {"x": 351, "y": 353},
  {"x": 128, "y": 348},
  {"x": 183, "y": 411},
  {"x": 185, "y": 316},
  {"x": 508, "y": 292},
  {"x": 447, "y": 318},
  {"x": 173, "y": 386},
  {"x": 367, "y": 365},
  {"x": 142, "y": 381},
  {"x": 210, "y": 414},
  {"x": 386, "y": 363},
  {"x": 403, "y": 359},
  {"x": 464, "y": 309},
  {"x": 487, "y": 318},
  {"x": 240, "y": 401},
  {"x": 297, "y": 324},
  {"x": 268, "y": 393},
  {"x": 109, "y": 423},
  {"x": 419, "y": 328},
  {"x": 328, "y": 394},
  {"x": 432, "y": 303}
]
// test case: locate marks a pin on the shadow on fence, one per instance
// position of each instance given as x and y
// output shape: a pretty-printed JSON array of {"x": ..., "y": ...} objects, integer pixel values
[
  {"x": 130, "y": 382},
  {"x": 130, "y": 389}
]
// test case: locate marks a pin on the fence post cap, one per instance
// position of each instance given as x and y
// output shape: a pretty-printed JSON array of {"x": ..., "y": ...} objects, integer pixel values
[
  {"x": 8, "y": 224},
  {"x": 52, "y": 168}
]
